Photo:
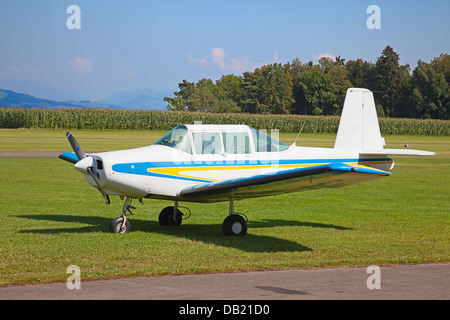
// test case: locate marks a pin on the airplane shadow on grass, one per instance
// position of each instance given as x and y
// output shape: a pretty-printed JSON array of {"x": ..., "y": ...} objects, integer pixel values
[{"x": 207, "y": 233}]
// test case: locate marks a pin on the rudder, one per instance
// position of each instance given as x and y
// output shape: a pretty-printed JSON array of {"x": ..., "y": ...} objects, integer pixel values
[{"x": 358, "y": 127}]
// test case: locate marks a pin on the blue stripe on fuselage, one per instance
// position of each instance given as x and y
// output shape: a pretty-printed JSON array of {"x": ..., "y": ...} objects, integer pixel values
[{"x": 144, "y": 168}]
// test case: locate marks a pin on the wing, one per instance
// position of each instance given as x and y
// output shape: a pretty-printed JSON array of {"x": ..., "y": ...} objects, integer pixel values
[{"x": 283, "y": 181}]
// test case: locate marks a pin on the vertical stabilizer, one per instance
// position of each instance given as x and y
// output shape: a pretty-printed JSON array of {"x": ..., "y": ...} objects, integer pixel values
[{"x": 358, "y": 127}]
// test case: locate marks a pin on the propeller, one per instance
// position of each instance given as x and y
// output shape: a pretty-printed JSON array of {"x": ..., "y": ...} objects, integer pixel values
[
  {"x": 75, "y": 146},
  {"x": 85, "y": 164}
]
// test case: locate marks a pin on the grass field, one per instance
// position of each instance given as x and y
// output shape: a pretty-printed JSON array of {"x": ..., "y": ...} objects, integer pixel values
[{"x": 52, "y": 219}]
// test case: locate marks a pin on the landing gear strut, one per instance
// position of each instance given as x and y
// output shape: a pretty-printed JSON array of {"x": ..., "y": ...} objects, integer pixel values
[
  {"x": 121, "y": 224},
  {"x": 235, "y": 224}
]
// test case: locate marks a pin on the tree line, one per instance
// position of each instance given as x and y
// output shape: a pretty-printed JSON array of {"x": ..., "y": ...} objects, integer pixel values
[{"x": 319, "y": 89}]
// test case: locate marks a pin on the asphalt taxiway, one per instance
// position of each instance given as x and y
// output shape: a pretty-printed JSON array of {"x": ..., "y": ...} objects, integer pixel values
[{"x": 401, "y": 282}]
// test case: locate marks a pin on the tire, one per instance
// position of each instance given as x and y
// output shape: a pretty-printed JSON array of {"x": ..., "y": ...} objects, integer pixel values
[
  {"x": 116, "y": 224},
  {"x": 165, "y": 217},
  {"x": 234, "y": 225}
]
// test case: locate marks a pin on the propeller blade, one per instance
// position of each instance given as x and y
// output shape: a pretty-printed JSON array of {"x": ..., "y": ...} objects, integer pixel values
[
  {"x": 69, "y": 157},
  {"x": 75, "y": 146}
]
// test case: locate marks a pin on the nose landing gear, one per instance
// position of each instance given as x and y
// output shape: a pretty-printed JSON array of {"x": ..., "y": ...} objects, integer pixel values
[{"x": 121, "y": 224}]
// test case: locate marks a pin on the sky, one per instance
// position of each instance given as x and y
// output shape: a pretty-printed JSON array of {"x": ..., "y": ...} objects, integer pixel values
[{"x": 131, "y": 45}]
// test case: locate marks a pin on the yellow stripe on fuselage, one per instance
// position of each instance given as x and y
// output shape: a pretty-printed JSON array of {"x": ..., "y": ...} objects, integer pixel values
[{"x": 175, "y": 171}]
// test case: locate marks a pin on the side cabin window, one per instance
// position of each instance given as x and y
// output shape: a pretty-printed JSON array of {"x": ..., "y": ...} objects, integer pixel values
[
  {"x": 236, "y": 143},
  {"x": 177, "y": 138},
  {"x": 207, "y": 142},
  {"x": 221, "y": 142},
  {"x": 265, "y": 143}
]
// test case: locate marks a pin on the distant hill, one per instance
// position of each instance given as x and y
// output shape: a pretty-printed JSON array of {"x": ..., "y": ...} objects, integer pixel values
[
  {"x": 10, "y": 98},
  {"x": 38, "y": 90},
  {"x": 139, "y": 99}
]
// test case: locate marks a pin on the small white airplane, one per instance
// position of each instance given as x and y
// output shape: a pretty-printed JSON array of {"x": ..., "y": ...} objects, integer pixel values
[{"x": 213, "y": 163}]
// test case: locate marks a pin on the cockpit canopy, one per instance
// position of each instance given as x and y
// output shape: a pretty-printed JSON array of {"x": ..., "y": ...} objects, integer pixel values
[{"x": 220, "y": 139}]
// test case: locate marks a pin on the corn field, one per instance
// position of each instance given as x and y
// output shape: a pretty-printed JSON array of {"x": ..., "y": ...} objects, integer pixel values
[{"x": 166, "y": 120}]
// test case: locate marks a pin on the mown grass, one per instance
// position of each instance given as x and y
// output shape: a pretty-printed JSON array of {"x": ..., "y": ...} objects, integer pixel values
[{"x": 52, "y": 219}]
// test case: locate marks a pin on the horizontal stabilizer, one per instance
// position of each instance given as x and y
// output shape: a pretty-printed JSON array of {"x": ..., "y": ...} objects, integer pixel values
[{"x": 397, "y": 152}]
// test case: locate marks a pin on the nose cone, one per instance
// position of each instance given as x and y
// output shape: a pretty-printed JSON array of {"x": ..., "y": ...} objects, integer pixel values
[{"x": 83, "y": 164}]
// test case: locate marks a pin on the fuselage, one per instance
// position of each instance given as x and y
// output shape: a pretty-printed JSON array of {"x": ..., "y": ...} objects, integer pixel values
[{"x": 161, "y": 170}]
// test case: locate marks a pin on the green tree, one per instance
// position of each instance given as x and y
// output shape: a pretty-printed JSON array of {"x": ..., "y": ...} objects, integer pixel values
[
  {"x": 181, "y": 101},
  {"x": 388, "y": 73},
  {"x": 276, "y": 89},
  {"x": 314, "y": 90},
  {"x": 338, "y": 74},
  {"x": 268, "y": 90},
  {"x": 442, "y": 65},
  {"x": 360, "y": 73},
  {"x": 430, "y": 95},
  {"x": 230, "y": 90},
  {"x": 203, "y": 97},
  {"x": 308, "y": 88},
  {"x": 296, "y": 69}
]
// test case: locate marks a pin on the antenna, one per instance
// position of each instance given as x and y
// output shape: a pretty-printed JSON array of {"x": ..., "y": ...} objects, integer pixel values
[{"x": 300, "y": 131}]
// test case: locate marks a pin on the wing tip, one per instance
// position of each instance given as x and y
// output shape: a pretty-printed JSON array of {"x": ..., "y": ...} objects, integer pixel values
[{"x": 360, "y": 169}]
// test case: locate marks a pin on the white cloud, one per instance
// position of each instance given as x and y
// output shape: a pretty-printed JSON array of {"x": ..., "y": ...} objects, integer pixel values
[
  {"x": 242, "y": 64},
  {"x": 201, "y": 62},
  {"x": 239, "y": 64},
  {"x": 275, "y": 57},
  {"x": 218, "y": 56},
  {"x": 81, "y": 65},
  {"x": 325, "y": 55}
]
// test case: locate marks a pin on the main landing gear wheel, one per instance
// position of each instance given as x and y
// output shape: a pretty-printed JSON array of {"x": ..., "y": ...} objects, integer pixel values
[
  {"x": 234, "y": 225},
  {"x": 117, "y": 226},
  {"x": 166, "y": 217}
]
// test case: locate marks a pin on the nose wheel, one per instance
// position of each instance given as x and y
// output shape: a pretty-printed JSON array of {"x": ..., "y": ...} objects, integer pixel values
[
  {"x": 117, "y": 225},
  {"x": 121, "y": 224}
]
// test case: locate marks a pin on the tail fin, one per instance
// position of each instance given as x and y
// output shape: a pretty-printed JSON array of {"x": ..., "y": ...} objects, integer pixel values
[{"x": 359, "y": 128}]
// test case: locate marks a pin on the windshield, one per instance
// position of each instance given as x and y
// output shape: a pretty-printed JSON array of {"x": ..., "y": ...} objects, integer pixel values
[
  {"x": 177, "y": 138},
  {"x": 265, "y": 143}
]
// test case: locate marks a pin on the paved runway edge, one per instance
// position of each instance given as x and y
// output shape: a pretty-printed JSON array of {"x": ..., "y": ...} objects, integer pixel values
[
  {"x": 29, "y": 154},
  {"x": 402, "y": 282}
]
